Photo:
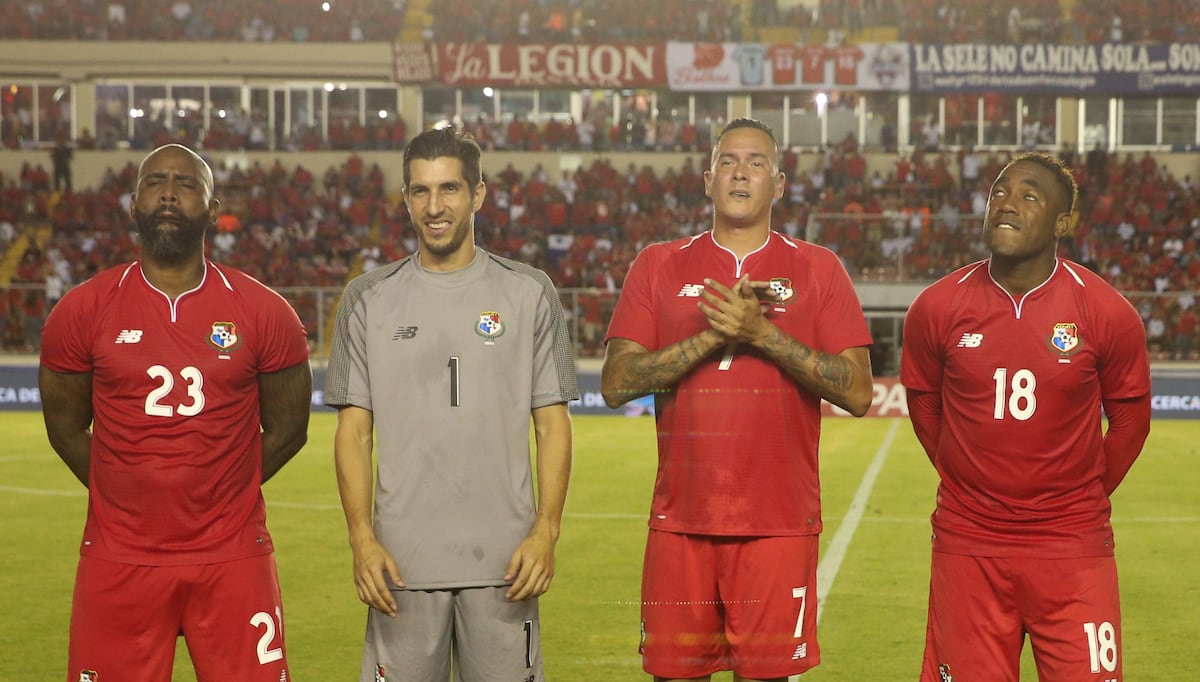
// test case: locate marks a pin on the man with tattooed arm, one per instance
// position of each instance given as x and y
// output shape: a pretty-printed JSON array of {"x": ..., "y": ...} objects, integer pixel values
[{"x": 739, "y": 333}]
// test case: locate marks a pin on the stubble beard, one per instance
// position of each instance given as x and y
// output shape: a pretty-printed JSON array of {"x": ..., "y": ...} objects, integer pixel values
[{"x": 448, "y": 247}]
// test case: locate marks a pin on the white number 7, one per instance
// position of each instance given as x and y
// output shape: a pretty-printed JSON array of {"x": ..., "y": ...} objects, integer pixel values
[{"x": 800, "y": 593}]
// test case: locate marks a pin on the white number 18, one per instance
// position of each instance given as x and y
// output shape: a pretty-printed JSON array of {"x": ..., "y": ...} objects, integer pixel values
[{"x": 1021, "y": 402}]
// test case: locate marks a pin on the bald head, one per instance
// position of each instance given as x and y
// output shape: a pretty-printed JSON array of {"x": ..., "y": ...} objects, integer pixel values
[{"x": 203, "y": 173}]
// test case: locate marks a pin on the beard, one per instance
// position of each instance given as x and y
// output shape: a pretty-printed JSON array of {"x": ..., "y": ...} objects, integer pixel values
[
  {"x": 170, "y": 246},
  {"x": 451, "y": 243}
]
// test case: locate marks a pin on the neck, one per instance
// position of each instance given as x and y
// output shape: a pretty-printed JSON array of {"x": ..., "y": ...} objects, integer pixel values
[
  {"x": 1019, "y": 277},
  {"x": 174, "y": 279},
  {"x": 456, "y": 261},
  {"x": 741, "y": 240}
]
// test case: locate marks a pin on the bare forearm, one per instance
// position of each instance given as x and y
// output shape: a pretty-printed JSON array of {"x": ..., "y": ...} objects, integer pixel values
[
  {"x": 552, "y": 431},
  {"x": 278, "y": 448},
  {"x": 629, "y": 374},
  {"x": 75, "y": 450},
  {"x": 67, "y": 401},
  {"x": 832, "y": 377},
  {"x": 284, "y": 398},
  {"x": 352, "y": 461}
]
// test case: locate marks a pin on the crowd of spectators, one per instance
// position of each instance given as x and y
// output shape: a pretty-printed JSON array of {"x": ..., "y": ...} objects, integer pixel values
[
  {"x": 216, "y": 20},
  {"x": 916, "y": 220},
  {"x": 937, "y": 21},
  {"x": 287, "y": 226},
  {"x": 533, "y": 21},
  {"x": 242, "y": 130}
]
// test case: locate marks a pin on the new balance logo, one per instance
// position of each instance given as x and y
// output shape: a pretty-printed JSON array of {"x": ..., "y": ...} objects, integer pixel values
[
  {"x": 129, "y": 336},
  {"x": 692, "y": 290},
  {"x": 404, "y": 333},
  {"x": 970, "y": 340},
  {"x": 801, "y": 652}
]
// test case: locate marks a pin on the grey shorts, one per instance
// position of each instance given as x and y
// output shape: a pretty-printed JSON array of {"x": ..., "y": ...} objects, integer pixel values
[{"x": 487, "y": 638}]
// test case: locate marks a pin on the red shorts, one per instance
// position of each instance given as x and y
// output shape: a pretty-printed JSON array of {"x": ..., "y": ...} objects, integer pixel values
[
  {"x": 729, "y": 603},
  {"x": 980, "y": 610},
  {"x": 125, "y": 620}
]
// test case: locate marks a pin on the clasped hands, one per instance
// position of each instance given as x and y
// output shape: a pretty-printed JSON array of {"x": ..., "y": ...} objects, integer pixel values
[{"x": 738, "y": 313}]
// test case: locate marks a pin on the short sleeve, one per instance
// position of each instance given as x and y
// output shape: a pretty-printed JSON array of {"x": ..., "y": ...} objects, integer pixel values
[{"x": 921, "y": 357}]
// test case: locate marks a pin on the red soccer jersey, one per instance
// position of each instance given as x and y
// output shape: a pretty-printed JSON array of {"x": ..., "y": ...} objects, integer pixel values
[
  {"x": 1021, "y": 449},
  {"x": 176, "y": 461},
  {"x": 737, "y": 437},
  {"x": 783, "y": 58},
  {"x": 812, "y": 63},
  {"x": 845, "y": 64}
]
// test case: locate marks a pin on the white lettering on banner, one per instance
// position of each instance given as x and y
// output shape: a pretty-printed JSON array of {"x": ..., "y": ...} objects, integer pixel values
[
  {"x": 927, "y": 59},
  {"x": 690, "y": 76},
  {"x": 1184, "y": 57},
  {"x": 22, "y": 394},
  {"x": 411, "y": 63},
  {"x": 1060, "y": 58},
  {"x": 1128, "y": 59},
  {"x": 1175, "y": 402},
  {"x": 888, "y": 399},
  {"x": 1004, "y": 58},
  {"x": 559, "y": 64}
]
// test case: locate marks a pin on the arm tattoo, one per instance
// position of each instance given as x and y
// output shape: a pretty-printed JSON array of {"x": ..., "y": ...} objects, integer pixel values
[
  {"x": 823, "y": 374},
  {"x": 834, "y": 371},
  {"x": 638, "y": 374}
]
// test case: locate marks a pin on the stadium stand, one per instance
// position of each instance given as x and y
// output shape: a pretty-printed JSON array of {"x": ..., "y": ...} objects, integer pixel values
[{"x": 296, "y": 227}]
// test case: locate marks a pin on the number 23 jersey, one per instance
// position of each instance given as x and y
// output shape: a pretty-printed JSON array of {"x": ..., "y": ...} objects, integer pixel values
[
  {"x": 1021, "y": 450},
  {"x": 176, "y": 457}
]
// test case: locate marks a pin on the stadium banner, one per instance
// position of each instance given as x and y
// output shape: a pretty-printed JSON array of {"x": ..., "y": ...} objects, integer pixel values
[
  {"x": 413, "y": 63},
  {"x": 538, "y": 65},
  {"x": 1176, "y": 395},
  {"x": 733, "y": 67},
  {"x": 1063, "y": 70}
]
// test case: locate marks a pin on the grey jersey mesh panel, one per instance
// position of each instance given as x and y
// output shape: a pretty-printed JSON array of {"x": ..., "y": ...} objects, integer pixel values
[
  {"x": 564, "y": 354},
  {"x": 450, "y": 364}
]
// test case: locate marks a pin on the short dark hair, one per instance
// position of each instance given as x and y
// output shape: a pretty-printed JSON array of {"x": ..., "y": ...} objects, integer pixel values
[
  {"x": 748, "y": 123},
  {"x": 1064, "y": 176},
  {"x": 448, "y": 141}
]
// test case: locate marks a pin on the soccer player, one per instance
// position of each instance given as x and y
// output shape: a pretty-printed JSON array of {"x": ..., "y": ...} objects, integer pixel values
[
  {"x": 173, "y": 388},
  {"x": 446, "y": 355},
  {"x": 1007, "y": 363},
  {"x": 739, "y": 333}
]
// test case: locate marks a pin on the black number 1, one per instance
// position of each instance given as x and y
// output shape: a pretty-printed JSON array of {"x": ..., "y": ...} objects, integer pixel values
[
  {"x": 454, "y": 399},
  {"x": 528, "y": 644}
]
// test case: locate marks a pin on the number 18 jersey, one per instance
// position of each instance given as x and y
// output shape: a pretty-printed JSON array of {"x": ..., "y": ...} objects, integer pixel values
[{"x": 1021, "y": 450}]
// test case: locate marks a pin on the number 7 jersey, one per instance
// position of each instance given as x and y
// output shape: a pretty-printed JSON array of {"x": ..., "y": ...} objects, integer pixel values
[{"x": 1021, "y": 450}]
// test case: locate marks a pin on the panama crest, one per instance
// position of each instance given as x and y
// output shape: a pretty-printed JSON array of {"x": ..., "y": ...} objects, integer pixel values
[
  {"x": 944, "y": 671},
  {"x": 1065, "y": 338},
  {"x": 224, "y": 336},
  {"x": 490, "y": 326},
  {"x": 781, "y": 287},
  {"x": 380, "y": 673},
  {"x": 88, "y": 676}
]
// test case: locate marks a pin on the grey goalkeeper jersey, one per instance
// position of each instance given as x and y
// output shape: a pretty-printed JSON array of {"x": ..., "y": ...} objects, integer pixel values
[{"x": 451, "y": 364}]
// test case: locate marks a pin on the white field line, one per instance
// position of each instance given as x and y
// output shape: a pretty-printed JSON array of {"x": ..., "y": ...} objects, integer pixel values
[
  {"x": 831, "y": 562},
  {"x": 602, "y": 516}
]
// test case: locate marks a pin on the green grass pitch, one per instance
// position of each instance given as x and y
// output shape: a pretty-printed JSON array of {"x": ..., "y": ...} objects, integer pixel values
[{"x": 872, "y": 627}]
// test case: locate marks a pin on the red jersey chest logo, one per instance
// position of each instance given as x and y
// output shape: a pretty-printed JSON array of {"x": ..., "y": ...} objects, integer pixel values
[
  {"x": 224, "y": 336},
  {"x": 1064, "y": 339},
  {"x": 782, "y": 289}
]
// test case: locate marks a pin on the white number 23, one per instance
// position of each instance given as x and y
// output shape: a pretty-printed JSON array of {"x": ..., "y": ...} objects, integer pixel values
[{"x": 166, "y": 381}]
